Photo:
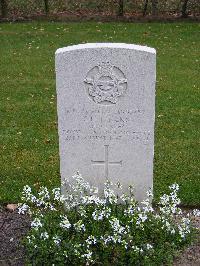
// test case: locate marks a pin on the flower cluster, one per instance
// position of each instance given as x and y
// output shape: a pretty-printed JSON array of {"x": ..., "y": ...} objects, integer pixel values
[{"x": 82, "y": 227}]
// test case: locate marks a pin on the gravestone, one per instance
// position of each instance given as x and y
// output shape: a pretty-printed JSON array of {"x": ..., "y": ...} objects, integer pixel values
[{"x": 106, "y": 109}]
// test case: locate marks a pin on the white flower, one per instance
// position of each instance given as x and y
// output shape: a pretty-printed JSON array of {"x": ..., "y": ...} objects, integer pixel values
[
  {"x": 173, "y": 231},
  {"x": 184, "y": 227},
  {"x": 164, "y": 199},
  {"x": 91, "y": 199},
  {"x": 149, "y": 246},
  {"x": 51, "y": 207},
  {"x": 56, "y": 240},
  {"x": 26, "y": 189},
  {"x": 82, "y": 211},
  {"x": 174, "y": 187},
  {"x": 80, "y": 184},
  {"x": 149, "y": 193},
  {"x": 65, "y": 253},
  {"x": 124, "y": 197},
  {"x": 119, "y": 185},
  {"x": 179, "y": 211},
  {"x": 65, "y": 222},
  {"x": 76, "y": 248},
  {"x": 109, "y": 193},
  {"x": 91, "y": 240},
  {"x": 157, "y": 217},
  {"x": 57, "y": 195},
  {"x": 116, "y": 238},
  {"x": 94, "y": 190},
  {"x": 23, "y": 209},
  {"x": 131, "y": 189},
  {"x": 33, "y": 198},
  {"x": 27, "y": 194},
  {"x": 36, "y": 223},
  {"x": 141, "y": 218},
  {"x": 88, "y": 255},
  {"x": 102, "y": 213},
  {"x": 44, "y": 235},
  {"x": 147, "y": 208},
  {"x": 79, "y": 226},
  {"x": 29, "y": 239},
  {"x": 107, "y": 239},
  {"x": 44, "y": 193},
  {"x": 136, "y": 249},
  {"x": 117, "y": 228},
  {"x": 129, "y": 211},
  {"x": 124, "y": 243},
  {"x": 196, "y": 213},
  {"x": 87, "y": 202}
]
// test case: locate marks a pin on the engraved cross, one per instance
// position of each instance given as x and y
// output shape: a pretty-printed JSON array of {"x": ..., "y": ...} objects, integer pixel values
[{"x": 106, "y": 162}]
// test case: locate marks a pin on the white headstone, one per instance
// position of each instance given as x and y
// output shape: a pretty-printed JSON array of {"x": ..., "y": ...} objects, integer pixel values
[{"x": 106, "y": 109}]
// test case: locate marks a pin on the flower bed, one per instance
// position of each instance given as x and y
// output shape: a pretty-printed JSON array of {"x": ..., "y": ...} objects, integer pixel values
[{"x": 108, "y": 230}]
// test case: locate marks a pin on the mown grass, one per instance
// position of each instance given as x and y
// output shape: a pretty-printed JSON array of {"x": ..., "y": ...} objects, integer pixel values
[{"x": 28, "y": 129}]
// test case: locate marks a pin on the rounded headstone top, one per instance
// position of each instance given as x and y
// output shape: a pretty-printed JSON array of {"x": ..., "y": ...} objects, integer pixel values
[{"x": 106, "y": 45}]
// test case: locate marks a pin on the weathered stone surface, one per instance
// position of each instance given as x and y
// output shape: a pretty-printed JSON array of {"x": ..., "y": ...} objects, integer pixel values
[
  {"x": 11, "y": 207},
  {"x": 106, "y": 109}
]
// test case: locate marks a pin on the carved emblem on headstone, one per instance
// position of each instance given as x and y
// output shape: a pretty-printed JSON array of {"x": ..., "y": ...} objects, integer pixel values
[{"x": 105, "y": 83}]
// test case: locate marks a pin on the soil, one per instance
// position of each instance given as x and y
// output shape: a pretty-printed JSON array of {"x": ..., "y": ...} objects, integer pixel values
[{"x": 14, "y": 226}]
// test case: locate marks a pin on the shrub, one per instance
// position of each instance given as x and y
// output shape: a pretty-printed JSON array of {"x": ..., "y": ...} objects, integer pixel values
[{"x": 82, "y": 228}]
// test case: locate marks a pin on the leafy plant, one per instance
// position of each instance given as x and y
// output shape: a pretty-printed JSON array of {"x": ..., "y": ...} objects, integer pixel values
[{"x": 82, "y": 228}]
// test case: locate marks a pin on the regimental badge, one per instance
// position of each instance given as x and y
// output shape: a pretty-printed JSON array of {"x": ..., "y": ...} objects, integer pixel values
[{"x": 105, "y": 83}]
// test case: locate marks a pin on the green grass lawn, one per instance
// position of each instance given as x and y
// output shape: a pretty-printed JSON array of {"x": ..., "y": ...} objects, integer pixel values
[{"x": 28, "y": 128}]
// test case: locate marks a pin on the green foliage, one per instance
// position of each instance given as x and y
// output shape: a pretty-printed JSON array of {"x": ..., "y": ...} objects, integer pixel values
[
  {"x": 107, "y": 230},
  {"x": 28, "y": 132}
]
